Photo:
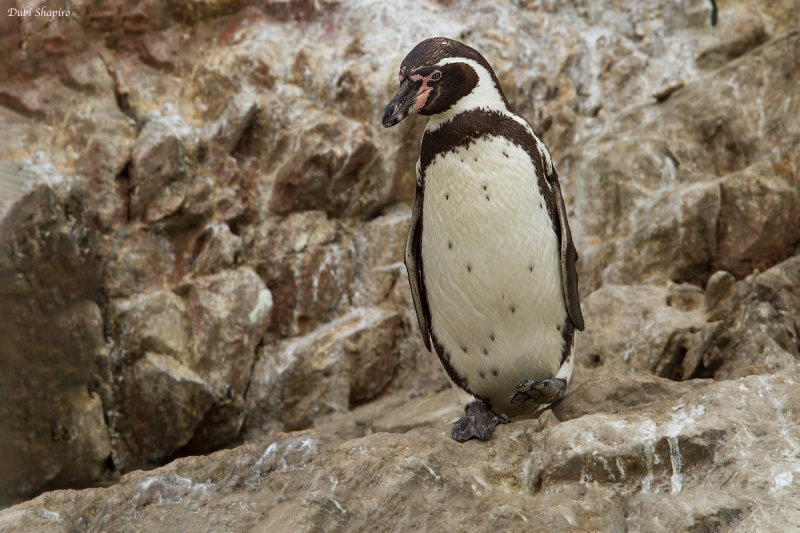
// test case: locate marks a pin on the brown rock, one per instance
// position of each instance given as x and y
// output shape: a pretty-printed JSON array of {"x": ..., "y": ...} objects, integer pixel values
[
  {"x": 228, "y": 313},
  {"x": 665, "y": 200},
  {"x": 159, "y": 165},
  {"x": 219, "y": 248},
  {"x": 162, "y": 403},
  {"x": 183, "y": 360},
  {"x": 55, "y": 380},
  {"x": 614, "y": 394},
  {"x": 630, "y": 331},
  {"x": 305, "y": 260},
  {"x": 346, "y": 361},
  {"x": 380, "y": 247},
  {"x": 149, "y": 322},
  {"x": 329, "y": 170},
  {"x": 757, "y": 325},
  {"x": 373, "y": 356},
  {"x": 740, "y": 30},
  {"x": 741, "y": 328},
  {"x": 673, "y": 236},
  {"x": 394, "y": 413},
  {"x": 137, "y": 261},
  {"x": 758, "y": 220}
]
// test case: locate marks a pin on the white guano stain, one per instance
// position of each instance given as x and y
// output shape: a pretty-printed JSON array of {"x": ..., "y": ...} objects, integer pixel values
[
  {"x": 676, "y": 479},
  {"x": 281, "y": 455},
  {"x": 781, "y": 481},
  {"x": 649, "y": 438},
  {"x": 171, "y": 487},
  {"x": 675, "y": 427},
  {"x": 263, "y": 306}
]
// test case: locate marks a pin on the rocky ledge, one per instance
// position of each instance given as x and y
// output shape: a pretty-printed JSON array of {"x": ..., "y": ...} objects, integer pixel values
[{"x": 700, "y": 456}]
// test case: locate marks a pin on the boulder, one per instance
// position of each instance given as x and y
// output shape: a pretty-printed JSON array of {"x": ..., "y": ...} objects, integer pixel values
[{"x": 345, "y": 363}]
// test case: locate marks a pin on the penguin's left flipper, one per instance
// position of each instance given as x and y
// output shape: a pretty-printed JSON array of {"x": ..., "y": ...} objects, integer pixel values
[
  {"x": 477, "y": 423},
  {"x": 541, "y": 391}
]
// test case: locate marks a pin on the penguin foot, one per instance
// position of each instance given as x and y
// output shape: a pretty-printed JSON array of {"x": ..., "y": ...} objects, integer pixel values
[
  {"x": 541, "y": 391},
  {"x": 477, "y": 423}
]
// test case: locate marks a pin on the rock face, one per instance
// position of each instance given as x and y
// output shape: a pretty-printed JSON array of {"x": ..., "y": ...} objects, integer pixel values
[
  {"x": 711, "y": 457},
  {"x": 202, "y": 226}
]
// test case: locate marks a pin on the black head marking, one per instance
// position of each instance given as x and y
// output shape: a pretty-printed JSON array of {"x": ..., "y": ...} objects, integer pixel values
[{"x": 454, "y": 81}]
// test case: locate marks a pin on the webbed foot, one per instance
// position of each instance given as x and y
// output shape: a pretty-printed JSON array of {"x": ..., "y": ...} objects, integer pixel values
[
  {"x": 541, "y": 391},
  {"x": 477, "y": 423}
]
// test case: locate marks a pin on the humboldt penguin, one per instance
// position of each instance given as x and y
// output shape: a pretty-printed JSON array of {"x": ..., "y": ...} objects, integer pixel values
[{"x": 490, "y": 257}]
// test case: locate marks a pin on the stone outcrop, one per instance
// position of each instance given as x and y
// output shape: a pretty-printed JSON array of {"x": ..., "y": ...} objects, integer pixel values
[
  {"x": 708, "y": 457},
  {"x": 202, "y": 226}
]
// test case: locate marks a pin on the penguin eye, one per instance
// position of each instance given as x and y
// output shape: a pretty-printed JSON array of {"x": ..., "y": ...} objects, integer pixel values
[{"x": 437, "y": 74}]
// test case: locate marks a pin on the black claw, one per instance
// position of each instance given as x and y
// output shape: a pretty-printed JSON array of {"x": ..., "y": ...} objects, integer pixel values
[
  {"x": 501, "y": 419},
  {"x": 517, "y": 397},
  {"x": 541, "y": 391},
  {"x": 477, "y": 423}
]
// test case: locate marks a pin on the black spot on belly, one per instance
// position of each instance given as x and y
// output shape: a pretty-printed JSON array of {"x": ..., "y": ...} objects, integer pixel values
[
  {"x": 484, "y": 186},
  {"x": 469, "y": 268},
  {"x": 485, "y": 351},
  {"x": 464, "y": 349},
  {"x": 481, "y": 374},
  {"x": 558, "y": 327},
  {"x": 530, "y": 267},
  {"x": 447, "y": 196},
  {"x": 449, "y": 245},
  {"x": 487, "y": 197},
  {"x": 495, "y": 371},
  {"x": 492, "y": 337},
  {"x": 505, "y": 153},
  {"x": 512, "y": 308}
]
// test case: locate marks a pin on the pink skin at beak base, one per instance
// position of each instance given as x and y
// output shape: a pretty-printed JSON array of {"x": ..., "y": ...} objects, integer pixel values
[{"x": 424, "y": 91}]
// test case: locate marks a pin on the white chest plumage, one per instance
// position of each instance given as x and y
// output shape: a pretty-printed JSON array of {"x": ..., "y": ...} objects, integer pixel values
[{"x": 492, "y": 269}]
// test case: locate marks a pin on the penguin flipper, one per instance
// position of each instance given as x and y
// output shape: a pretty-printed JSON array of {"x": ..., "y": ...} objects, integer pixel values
[
  {"x": 413, "y": 260},
  {"x": 569, "y": 256}
]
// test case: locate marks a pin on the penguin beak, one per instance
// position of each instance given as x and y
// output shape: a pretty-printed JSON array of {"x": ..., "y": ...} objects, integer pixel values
[{"x": 402, "y": 103}]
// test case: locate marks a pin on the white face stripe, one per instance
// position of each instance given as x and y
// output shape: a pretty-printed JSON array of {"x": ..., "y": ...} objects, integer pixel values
[{"x": 484, "y": 95}]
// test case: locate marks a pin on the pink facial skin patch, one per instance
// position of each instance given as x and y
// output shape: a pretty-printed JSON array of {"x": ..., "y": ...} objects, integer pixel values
[{"x": 424, "y": 91}]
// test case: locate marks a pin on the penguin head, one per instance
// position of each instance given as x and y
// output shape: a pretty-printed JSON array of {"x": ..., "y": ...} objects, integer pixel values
[{"x": 441, "y": 75}]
